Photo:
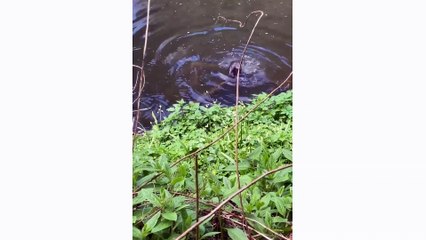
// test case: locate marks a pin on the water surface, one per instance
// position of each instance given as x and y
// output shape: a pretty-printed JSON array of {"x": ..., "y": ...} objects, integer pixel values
[{"x": 191, "y": 54}]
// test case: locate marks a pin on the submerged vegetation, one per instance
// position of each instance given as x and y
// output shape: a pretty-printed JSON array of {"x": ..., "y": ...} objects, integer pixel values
[{"x": 168, "y": 196}]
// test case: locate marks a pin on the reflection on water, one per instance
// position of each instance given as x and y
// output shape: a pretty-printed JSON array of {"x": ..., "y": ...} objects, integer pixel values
[{"x": 193, "y": 56}]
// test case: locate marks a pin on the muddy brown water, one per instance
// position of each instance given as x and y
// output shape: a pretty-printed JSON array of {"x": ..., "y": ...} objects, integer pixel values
[{"x": 191, "y": 53}]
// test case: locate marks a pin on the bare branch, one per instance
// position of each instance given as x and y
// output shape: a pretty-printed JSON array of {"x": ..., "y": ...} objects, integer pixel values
[
  {"x": 142, "y": 74},
  {"x": 237, "y": 96}
]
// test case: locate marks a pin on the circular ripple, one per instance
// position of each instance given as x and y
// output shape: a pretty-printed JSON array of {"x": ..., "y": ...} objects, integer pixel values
[{"x": 201, "y": 65}]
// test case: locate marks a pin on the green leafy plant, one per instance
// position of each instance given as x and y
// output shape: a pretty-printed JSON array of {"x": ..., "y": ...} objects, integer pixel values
[{"x": 164, "y": 198}]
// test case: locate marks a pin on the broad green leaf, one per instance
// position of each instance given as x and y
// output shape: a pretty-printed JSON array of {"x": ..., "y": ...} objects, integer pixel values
[
  {"x": 153, "y": 199},
  {"x": 137, "y": 215},
  {"x": 182, "y": 207},
  {"x": 152, "y": 222},
  {"x": 266, "y": 199},
  {"x": 255, "y": 154},
  {"x": 209, "y": 234},
  {"x": 143, "y": 193},
  {"x": 137, "y": 233},
  {"x": 170, "y": 216},
  {"x": 282, "y": 176},
  {"x": 226, "y": 182},
  {"x": 288, "y": 154},
  {"x": 279, "y": 219},
  {"x": 287, "y": 202},
  {"x": 236, "y": 234},
  {"x": 280, "y": 204},
  {"x": 173, "y": 236},
  {"x": 242, "y": 166},
  {"x": 268, "y": 218},
  {"x": 227, "y": 157},
  {"x": 161, "y": 226},
  {"x": 178, "y": 201},
  {"x": 146, "y": 179},
  {"x": 176, "y": 180},
  {"x": 276, "y": 154}
]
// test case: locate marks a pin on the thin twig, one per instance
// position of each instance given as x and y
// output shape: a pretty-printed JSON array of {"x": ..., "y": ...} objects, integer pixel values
[
  {"x": 267, "y": 228},
  {"x": 204, "y": 218},
  {"x": 241, "y": 24},
  {"x": 197, "y": 196},
  {"x": 142, "y": 82},
  {"x": 220, "y": 136},
  {"x": 237, "y": 95}
]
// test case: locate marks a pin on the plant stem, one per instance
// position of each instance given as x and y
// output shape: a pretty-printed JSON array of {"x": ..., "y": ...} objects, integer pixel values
[
  {"x": 237, "y": 95},
  {"x": 197, "y": 196}
]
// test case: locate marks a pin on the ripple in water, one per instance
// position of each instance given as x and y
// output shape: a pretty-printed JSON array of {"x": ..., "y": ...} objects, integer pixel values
[{"x": 200, "y": 65}]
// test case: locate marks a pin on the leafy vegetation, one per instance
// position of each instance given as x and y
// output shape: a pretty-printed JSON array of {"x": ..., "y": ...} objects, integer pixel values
[{"x": 164, "y": 205}]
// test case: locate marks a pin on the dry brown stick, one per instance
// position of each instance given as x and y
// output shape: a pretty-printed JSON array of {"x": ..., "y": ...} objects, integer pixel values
[
  {"x": 267, "y": 228},
  {"x": 204, "y": 218},
  {"x": 142, "y": 82},
  {"x": 222, "y": 135},
  {"x": 137, "y": 77},
  {"x": 197, "y": 196},
  {"x": 241, "y": 24},
  {"x": 237, "y": 96}
]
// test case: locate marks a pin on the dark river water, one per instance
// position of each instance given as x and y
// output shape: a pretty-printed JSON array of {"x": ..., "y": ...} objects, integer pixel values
[{"x": 193, "y": 55}]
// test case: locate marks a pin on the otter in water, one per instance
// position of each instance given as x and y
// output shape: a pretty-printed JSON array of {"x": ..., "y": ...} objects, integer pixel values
[
  {"x": 233, "y": 69},
  {"x": 194, "y": 72}
]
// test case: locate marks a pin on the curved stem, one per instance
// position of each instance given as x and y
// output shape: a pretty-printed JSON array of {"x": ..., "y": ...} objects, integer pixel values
[{"x": 237, "y": 96}]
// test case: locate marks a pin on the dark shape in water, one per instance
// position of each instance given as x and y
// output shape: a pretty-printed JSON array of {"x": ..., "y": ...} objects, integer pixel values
[{"x": 233, "y": 69}]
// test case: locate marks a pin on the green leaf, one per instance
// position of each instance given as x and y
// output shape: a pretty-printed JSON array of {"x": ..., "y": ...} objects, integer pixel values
[
  {"x": 279, "y": 219},
  {"x": 137, "y": 233},
  {"x": 236, "y": 234},
  {"x": 226, "y": 182},
  {"x": 142, "y": 195},
  {"x": 209, "y": 234},
  {"x": 153, "y": 199},
  {"x": 280, "y": 204},
  {"x": 137, "y": 215},
  {"x": 276, "y": 154},
  {"x": 255, "y": 154},
  {"x": 176, "y": 180},
  {"x": 170, "y": 216},
  {"x": 182, "y": 207},
  {"x": 288, "y": 154},
  {"x": 152, "y": 222},
  {"x": 227, "y": 157},
  {"x": 161, "y": 226},
  {"x": 242, "y": 166},
  {"x": 145, "y": 179},
  {"x": 282, "y": 176},
  {"x": 266, "y": 199},
  {"x": 268, "y": 218}
]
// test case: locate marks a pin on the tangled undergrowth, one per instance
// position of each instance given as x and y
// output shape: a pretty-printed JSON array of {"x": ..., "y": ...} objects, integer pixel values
[{"x": 164, "y": 206}]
